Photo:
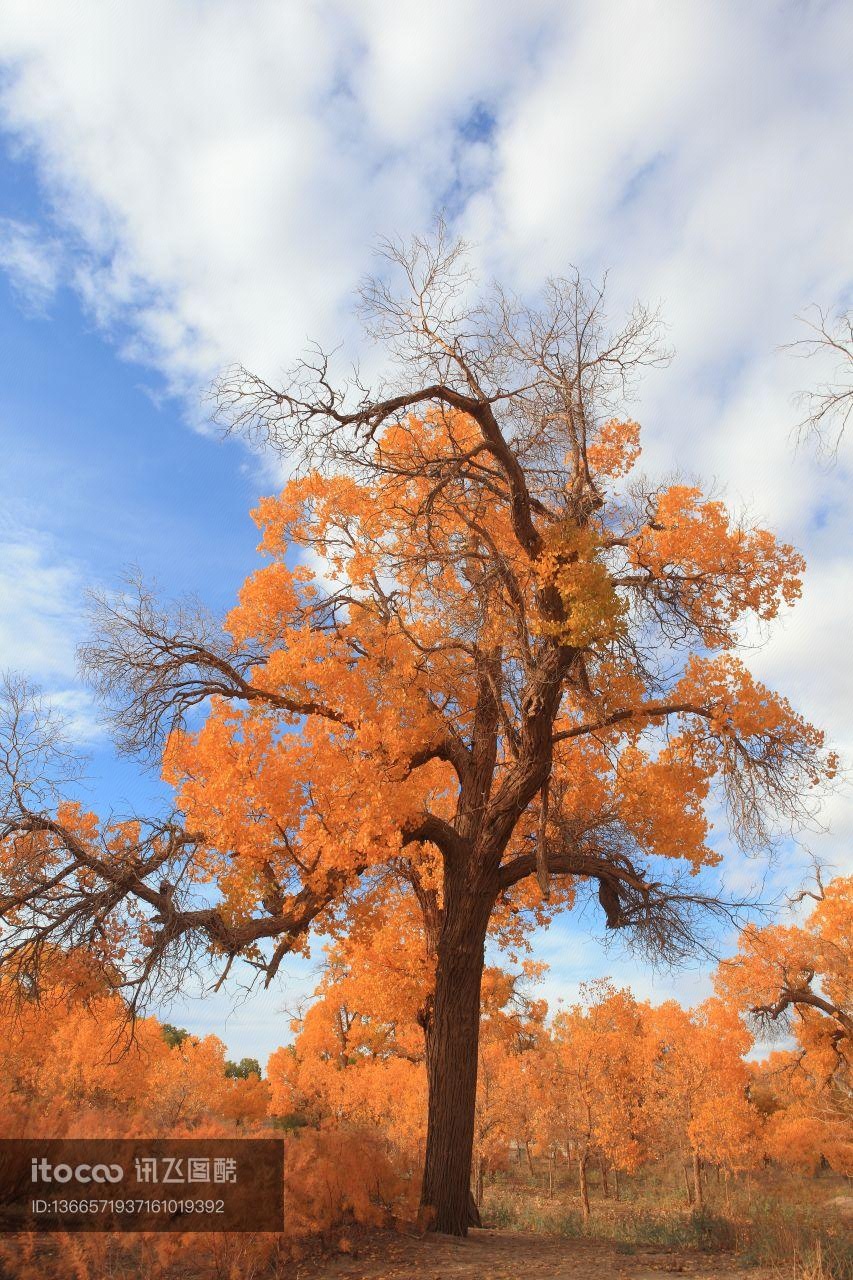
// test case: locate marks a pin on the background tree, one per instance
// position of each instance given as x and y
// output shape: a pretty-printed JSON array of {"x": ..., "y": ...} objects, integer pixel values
[
  {"x": 827, "y": 407},
  {"x": 243, "y": 1069},
  {"x": 482, "y": 663},
  {"x": 800, "y": 972},
  {"x": 174, "y": 1035},
  {"x": 512, "y": 1029},
  {"x": 68, "y": 1065},
  {"x": 358, "y": 1057},
  {"x": 698, "y": 1084},
  {"x": 799, "y": 978},
  {"x": 592, "y": 1102}
]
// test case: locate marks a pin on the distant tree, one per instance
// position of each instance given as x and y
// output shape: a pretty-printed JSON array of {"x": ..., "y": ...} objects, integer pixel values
[
  {"x": 801, "y": 975},
  {"x": 827, "y": 407},
  {"x": 173, "y": 1035},
  {"x": 594, "y": 1102},
  {"x": 799, "y": 979},
  {"x": 243, "y": 1069},
  {"x": 698, "y": 1087}
]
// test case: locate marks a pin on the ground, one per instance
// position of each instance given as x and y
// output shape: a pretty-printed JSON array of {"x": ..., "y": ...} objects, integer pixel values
[{"x": 513, "y": 1255}]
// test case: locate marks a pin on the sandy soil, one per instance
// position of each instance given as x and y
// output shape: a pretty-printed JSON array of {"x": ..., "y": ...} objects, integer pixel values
[{"x": 508, "y": 1255}]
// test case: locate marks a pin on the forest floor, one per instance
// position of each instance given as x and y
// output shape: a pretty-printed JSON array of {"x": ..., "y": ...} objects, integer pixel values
[
  {"x": 770, "y": 1227},
  {"x": 515, "y": 1255}
]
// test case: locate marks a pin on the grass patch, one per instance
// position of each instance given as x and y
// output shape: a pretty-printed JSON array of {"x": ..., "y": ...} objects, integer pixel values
[
  {"x": 624, "y": 1224},
  {"x": 783, "y": 1235},
  {"x": 803, "y": 1240}
]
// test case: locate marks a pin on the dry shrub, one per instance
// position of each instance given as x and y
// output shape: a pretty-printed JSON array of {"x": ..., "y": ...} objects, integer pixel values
[
  {"x": 335, "y": 1178},
  {"x": 338, "y": 1175}
]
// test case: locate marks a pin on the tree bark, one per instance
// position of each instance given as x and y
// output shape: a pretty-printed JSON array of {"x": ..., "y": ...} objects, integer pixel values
[
  {"x": 697, "y": 1180},
  {"x": 584, "y": 1188},
  {"x": 687, "y": 1185},
  {"x": 452, "y": 1040}
]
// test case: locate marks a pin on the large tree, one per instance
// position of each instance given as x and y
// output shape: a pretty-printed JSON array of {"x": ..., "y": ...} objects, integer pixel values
[{"x": 485, "y": 661}]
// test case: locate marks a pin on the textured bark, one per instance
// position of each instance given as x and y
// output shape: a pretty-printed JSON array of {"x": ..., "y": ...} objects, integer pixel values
[
  {"x": 697, "y": 1180},
  {"x": 583, "y": 1187},
  {"x": 479, "y": 1181},
  {"x": 453, "y": 1038}
]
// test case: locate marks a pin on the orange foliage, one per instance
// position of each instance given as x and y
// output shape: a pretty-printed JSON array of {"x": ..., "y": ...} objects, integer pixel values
[
  {"x": 610, "y": 1078},
  {"x": 700, "y": 1084},
  {"x": 467, "y": 687},
  {"x": 69, "y": 1062},
  {"x": 359, "y": 700},
  {"x": 800, "y": 977}
]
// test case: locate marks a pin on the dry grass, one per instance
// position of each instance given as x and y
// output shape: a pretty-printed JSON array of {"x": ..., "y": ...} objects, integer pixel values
[{"x": 790, "y": 1224}]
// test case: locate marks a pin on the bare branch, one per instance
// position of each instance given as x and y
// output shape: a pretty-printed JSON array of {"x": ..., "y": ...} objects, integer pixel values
[
  {"x": 827, "y": 407},
  {"x": 152, "y": 667}
]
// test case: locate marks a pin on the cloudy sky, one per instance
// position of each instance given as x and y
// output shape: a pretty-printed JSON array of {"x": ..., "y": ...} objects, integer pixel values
[{"x": 187, "y": 184}]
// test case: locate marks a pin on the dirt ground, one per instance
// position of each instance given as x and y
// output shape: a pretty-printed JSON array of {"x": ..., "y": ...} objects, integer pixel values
[{"x": 511, "y": 1255}]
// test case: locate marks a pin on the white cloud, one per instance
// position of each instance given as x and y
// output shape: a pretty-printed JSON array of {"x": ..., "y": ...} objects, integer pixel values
[
  {"x": 41, "y": 623},
  {"x": 31, "y": 262},
  {"x": 224, "y": 170},
  {"x": 40, "y": 601}
]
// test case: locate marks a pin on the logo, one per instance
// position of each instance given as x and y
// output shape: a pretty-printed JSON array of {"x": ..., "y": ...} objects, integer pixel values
[{"x": 43, "y": 1171}]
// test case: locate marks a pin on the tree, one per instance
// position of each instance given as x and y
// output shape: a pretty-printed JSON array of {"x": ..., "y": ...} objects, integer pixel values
[
  {"x": 243, "y": 1069},
  {"x": 358, "y": 1058},
  {"x": 67, "y": 1063},
  {"x": 803, "y": 970},
  {"x": 511, "y": 1030},
  {"x": 698, "y": 1086},
  {"x": 481, "y": 663},
  {"x": 809, "y": 1113},
  {"x": 800, "y": 978},
  {"x": 594, "y": 1098},
  {"x": 174, "y": 1035},
  {"x": 827, "y": 407}
]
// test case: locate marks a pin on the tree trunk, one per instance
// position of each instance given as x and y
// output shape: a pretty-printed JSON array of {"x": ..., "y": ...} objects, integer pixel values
[
  {"x": 478, "y": 1183},
  {"x": 452, "y": 1037},
  {"x": 687, "y": 1185},
  {"x": 584, "y": 1189},
  {"x": 615, "y": 1183},
  {"x": 697, "y": 1180},
  {"x": 605, "y": 1185}
]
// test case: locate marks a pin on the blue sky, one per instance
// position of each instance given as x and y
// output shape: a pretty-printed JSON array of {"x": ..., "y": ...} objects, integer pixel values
[{"x": 186, "y": 185}]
